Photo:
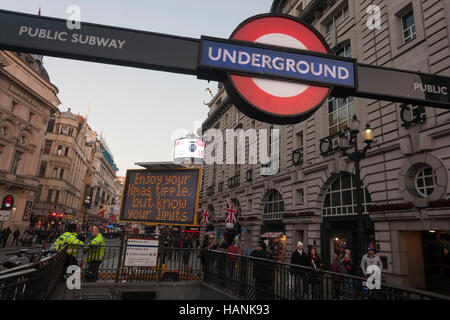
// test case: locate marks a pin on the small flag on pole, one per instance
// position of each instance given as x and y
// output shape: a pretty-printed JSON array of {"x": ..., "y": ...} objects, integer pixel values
[
  {"x": 231, "y": 218},
  {"x": 205, "y": 217}
]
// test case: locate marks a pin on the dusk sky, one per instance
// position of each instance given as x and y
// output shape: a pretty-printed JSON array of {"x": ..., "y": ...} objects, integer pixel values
[{"x": 140, "y": 111}]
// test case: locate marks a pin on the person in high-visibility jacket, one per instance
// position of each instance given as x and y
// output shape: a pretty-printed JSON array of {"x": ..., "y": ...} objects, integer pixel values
[
  {"x": 95, "y": 253},
  {"x": 69, "y": 239}
]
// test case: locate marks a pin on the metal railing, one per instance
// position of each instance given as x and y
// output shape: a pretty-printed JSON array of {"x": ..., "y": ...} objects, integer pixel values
[
  {"x": 254, "y": 278},
  {"x": 34, "y": 281},
  {"x": 172, "y": 264},
  {"x": 246, "y": 278}
]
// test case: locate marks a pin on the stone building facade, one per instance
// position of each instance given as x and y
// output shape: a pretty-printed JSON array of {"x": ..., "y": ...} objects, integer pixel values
[
  {"x": 63, "y": 168},
  {"x": 27, "y": 100},
  {"x": 101, "y": 181},
  {"x": 311, "y": 198}
]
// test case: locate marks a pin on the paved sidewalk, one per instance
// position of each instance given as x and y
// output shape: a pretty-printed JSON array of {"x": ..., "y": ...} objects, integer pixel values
[{"x": 9, "y": 248}]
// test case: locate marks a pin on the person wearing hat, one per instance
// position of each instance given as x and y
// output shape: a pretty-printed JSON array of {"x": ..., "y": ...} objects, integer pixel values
[
  {"x": 370, "y": 259},
  {"x": 299, "y": 257}
]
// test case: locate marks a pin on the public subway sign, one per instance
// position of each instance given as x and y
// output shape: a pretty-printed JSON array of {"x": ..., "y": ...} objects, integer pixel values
[
  {"x": 161, "y": 196},
  {"x": 273, "y": 63},
  {"x": 282, "y": 73},
  {"x": 275, "y": 68}
]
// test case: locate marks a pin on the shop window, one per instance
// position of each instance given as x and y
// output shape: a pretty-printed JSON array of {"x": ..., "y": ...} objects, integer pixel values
[
  {"x": 425, "y": 181},
  {"x": 408, "y": 27}
]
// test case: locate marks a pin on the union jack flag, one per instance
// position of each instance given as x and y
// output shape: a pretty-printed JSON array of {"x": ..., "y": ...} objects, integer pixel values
[
  {"x": 205, "y": 217},
  {"x": 231, "y": 211}
]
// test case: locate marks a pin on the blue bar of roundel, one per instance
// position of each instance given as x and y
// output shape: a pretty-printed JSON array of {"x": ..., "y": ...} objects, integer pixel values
[{"x": 235, "y": 66}]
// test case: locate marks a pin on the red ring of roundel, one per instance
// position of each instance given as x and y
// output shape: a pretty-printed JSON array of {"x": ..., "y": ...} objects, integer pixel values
[{"x": 286, "y": 106}]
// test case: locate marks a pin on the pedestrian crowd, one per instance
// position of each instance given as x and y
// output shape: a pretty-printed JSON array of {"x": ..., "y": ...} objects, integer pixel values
[{"x": 303, "y": 278}]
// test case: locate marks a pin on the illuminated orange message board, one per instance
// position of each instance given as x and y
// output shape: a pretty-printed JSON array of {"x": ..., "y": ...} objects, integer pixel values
[{"x": 161, "y": 196}]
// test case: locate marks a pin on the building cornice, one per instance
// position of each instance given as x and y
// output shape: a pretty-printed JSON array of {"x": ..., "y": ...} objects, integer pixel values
[
  {"x": 4, "y": 69},
  {"x": 224, "y": 106}
]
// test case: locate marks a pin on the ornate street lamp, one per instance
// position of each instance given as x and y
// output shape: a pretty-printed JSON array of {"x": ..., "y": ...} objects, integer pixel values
[
  {"x": 356, "y": 156},
  {"x": 87, "y": 203}
]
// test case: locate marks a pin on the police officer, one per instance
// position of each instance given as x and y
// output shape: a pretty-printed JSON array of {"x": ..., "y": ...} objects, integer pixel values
[
  {"x": 70, "y": 240},
  {"x": 95, "y": 253}
]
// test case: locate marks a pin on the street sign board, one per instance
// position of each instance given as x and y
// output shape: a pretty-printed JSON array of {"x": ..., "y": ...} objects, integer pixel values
[
  {"x": 283, "y": 102},
  {"x": 27, "y": 211},
  {"x": 7, "y": 202},
  {"x": 161, "y": 196},
  {"x": 141, "y": 253},
  {"x": 50, "y": 36},
  {"x": 289, "y": 71},
  {"x": 403, "y": 86},
  {"x": 287, "y": 64},
  {"x": 5, "y": 215}
]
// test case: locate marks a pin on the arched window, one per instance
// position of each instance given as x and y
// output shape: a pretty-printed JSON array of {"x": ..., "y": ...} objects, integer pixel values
[
  {"x": 340, "y": 198},
  {"x": 273, "y": 207}
]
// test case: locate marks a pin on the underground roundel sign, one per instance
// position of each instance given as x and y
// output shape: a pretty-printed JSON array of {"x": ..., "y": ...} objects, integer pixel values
[{"x": 270, "y": 99}]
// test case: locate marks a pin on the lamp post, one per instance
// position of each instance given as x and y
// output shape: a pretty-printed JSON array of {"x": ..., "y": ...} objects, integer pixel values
[
  {"x": 87, "y": 202},
  {"x": 356, "y": 156}
]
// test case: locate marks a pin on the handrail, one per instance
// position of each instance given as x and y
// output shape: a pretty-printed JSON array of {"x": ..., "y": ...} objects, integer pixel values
[
  {"x": 29, "y": 265},
  {"x": 16, "y": 274},
  {"x": 342, "y": 275}
]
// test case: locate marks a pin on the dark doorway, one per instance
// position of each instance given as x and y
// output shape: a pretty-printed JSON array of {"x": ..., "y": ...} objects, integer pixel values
[
  {"x": 436, "y": 245},
  {"x": 340, "y": 233}
]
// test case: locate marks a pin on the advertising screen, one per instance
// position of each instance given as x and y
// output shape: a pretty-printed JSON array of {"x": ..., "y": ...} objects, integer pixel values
[
  {"x": 189, "y": 148},
  {"x": 161, "y": 196}
]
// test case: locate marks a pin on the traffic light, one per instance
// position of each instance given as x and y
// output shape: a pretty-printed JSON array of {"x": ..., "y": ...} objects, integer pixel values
[
  {"x": 61, "y": 215},
  {"x": 53, "y": 215}
]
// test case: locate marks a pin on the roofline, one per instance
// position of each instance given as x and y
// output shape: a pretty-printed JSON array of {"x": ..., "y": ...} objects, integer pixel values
[{"x": 277, "y": 6}]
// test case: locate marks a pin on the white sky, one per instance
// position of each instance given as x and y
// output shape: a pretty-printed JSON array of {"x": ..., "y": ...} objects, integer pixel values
[{"x": 140, "y": 111}]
